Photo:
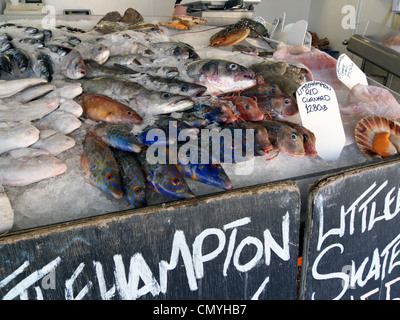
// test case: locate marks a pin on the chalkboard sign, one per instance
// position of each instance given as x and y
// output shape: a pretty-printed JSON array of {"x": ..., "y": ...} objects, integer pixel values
[
  {"x": 236, "y": 245},
  {"x": 352, "y": 237}
]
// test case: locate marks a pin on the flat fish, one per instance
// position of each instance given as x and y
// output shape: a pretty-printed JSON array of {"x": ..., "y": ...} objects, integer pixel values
[
  {"x": 23, "y": 167},
  {"x": 66, "y": 91},
  {"x": 118, "y": 136},
  {"x": 54, "y": 142},
  {"x": 17, "y": 135},
  {"x": 100, "y": 166},
  {"x": 11, "y": 87},
  {"x": 72, "y": 107},
  {"x": 59, "y": 120},
  {"x": 132, "y": 178},
  {"x": 34, "y": 110},
  {"x": 34, "y": 93}
]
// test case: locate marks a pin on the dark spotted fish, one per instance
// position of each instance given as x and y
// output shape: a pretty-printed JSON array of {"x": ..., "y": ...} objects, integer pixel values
[
  {"x": 132, "y": 178},
  {"x": 99, "y": 164}
]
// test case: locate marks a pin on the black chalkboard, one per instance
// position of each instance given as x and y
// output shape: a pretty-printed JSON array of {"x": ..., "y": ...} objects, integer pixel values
[
  {"x": 352, "y": 236},
  {"x": 236, "y": 245}
]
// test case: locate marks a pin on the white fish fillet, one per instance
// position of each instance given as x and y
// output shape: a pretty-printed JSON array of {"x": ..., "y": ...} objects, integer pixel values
[
  {"x": 17, "y": 111},
  {"x": 72, "y": 107},
  {"x": 54, "y": 142},
  {"x": 11, "y": 87},
  {"x": 23, "y": 167},
  {"x": 17, "y": 135},
  {"x": 59, "y": 120},
  {"x": 6, "y": 213}
]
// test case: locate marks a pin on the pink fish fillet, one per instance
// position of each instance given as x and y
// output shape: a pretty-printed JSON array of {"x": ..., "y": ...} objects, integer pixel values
[{"x": 26, "y": 166}]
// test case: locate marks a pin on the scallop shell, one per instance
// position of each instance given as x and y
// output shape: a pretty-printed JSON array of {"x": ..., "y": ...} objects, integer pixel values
[{"x": 367, "y": 130}]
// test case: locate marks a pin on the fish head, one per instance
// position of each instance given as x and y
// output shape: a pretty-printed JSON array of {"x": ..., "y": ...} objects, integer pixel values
[
  {"x": 100, "y": 53},
  {"x": 248, "y": 108},
  {"x": 289, "y": 106},
  {"x": 163, "y": 102},
  {"x": 74, "y": 66},
  {"x": 211, "y": 114},
  {"x": 135, "y": 193},
  {"x": 226, "y": 109},
  {"x": 192, "y": 89},
  {"x": 261, "y": 138},
  {"x": 309, "y": 142},
  {"x": 171, "y": 183},
  {"x": 212, "y": 174},
  {"x": 290, "y": 141}
]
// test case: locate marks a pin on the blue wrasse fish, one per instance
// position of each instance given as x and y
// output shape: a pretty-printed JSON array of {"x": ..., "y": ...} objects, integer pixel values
[
  {"x": 100, "y": 166},
  {"x": 132, "y": 178},
  {"x": 118, "y": 136},
  {"x": 164, "y": 179}
]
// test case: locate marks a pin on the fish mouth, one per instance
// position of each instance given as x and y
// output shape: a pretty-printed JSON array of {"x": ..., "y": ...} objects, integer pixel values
[{"x": 200, "y": 92}]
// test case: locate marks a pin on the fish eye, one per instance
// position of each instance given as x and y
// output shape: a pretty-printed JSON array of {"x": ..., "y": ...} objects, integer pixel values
[
  {"x": 184, "y": 88},
  {"x": 232, "y": 66},
  {"x": 294, "y": 136},
  {"x": 109, "y": 177},
  {"x": 255, "y": 131},
  {"x": 246, "y": 107},
  {"x": 176, "y": 51},
  {"x": 137, "y": 190},
  {"x": 305, "y": 138},
  {"x": 129, "y": 113},
  {"x": 165, "y": 95},
  {"x": 273, "y": 90},
  {"x": 287, "y": 101},
  {"x": 208, "y": 111},
  {"x": 175, "y": 182}
]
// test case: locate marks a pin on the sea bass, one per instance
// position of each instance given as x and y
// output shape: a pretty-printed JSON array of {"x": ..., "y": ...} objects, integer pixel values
[
  {"x": 118, "y": 136},
  {"x": 164, "y": 179},
  {"x": 100, "y": 166},
  {"x": 132, "y": 178},
  {"x": 22, "y": 167},
  {"x": 221, "y": 76},
  {"x": 101, "y": 108},
  {"x": 149, "y": 102}
]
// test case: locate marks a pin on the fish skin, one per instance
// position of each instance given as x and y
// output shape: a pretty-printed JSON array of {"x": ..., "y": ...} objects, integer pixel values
[
  {"x": 178, "y": 50},
  {"x": 99, "y": 53},
  {"x": 211, "y": 174},
  {"x": 72, "y": 107},
  {"x": 100, "y": 166},
  {"x": 17, "y": 135},
  {"x": 261, "y": 138},
  {"x": 248, "y": 108},
  {"x": 118, "y": 136},
  {"x": 211, "y": 114},
  {"x": 284, "y": 138},
  {"x": 73, "y": 66},
  {"x": 95, "y": 70},
  {"x": 262, "y": 89},
  {"x": 23, "y": 167},
  {"x": 21, "y": 58},
  {"x": 59, "y": 120},
  {"x": 278, "y": 106},
  {"x": 12, "y": 110},
  {"x": 164, "y": 179},
  {"x": 44, "y": 67},
  {"x": 11, "y": 87},
  {"x": 53, "y": 142},
  {"x": 221, "y": 76},
  {"x": 132, "y": 178},
  {"x": 101, "y": 108},
  {"x": 34, "y": 93}
]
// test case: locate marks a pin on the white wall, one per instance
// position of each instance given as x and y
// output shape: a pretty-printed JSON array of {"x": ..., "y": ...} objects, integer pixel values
[{"x": 295, "y": 9}]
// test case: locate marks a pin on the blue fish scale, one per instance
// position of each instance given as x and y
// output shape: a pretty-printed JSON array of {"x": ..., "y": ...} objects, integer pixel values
[
  {"x": 103, "y": 169},
  {"x": 133, "y": 181},
  {"x": 120, "y": 137}
]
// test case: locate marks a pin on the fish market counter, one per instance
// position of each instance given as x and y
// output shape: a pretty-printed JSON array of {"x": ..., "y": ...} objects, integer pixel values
[{"x": 290, "y": 228}]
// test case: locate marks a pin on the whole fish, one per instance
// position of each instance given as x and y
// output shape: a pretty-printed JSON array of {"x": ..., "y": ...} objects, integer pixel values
[
  {"x": 248, "y": 108},
  {"x": 277, "y": 106},
  {"x": 12, "y": 110},
  {"x": 211, "y": 174},
  {"x": 16, "y": 135},
  {"x": 94, "y": 70},
  {"x": 132, "y": 178},
  {"x": 221, "y": 76},
  {"x": 54, "y": 142},
  {"x": 178, "y": 50},
  {"x": 23, "y": 167},
  {"x": 174, "y": 86},
  {"x": 101, "y": 108},
  {"x": 59, "y": 120},
  {"x": 72, "y": 107},
  {"x": 148, "y": 101},
  {"x": 164, "y": 179},
  {"x": 262, "y": 144},
  {"x": 118, "y": 136},
  {"x": 11, "y": 87},
  {"x": 100, "y": 166},
  {"x": 284, "y": 138},
  {"x": 34, "y": 93},
  {"x": 73, "y": 66},
  {"x": 127, "y": 60}
]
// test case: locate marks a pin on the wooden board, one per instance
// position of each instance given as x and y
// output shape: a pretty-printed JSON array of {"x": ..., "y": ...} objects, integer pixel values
[
  {"x": 352, "y": 236},
  {"x": 237, "y": 245}
]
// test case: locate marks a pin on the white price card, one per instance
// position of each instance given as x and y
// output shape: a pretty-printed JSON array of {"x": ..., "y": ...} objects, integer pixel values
[
  {"x": 349, "y": 73},
  {"x": 319, "y": 112}
]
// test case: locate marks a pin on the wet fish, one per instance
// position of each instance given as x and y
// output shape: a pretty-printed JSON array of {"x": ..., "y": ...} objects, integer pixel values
[
  {"x": 5, "y": 45},
  {"x": 72, "y": 107},
  {"x": 127, "y": 60},
  {"x": 16, "y": 135},
  {"x": 54, "y": 142},
  {"x": 58, "y": 49},
  {"x": 36, "y": 43},
  {"x": 174, "y": 86},
  {"x": 21, "y": 58},
  {"x": 101, "y": 108},
  {"x": 132, "y": 178},
  {"x": 34, "y": 93},
  {"x": 99, "y": 53},
  {"x": 73, "y": 66},
  {"x": 13, "y": 110},
  {"x": 95, "y": 70},
  {"x": 221, "y": 76},
  {"x": 177, "y": 50},
  {"x": 44, "y": 66},
  {"x": 262, "y": 89},
  {"x": 284, "y": 138},
  {"x": 23, "y": 167},
  {"x": 100, "y": 166},
  {"x": 262, "y": 144},
  {"x": 59, "y": 120},
  {"x": 164, "y": 179},
  {"x": 6, "y": 63},
  {"x": 148, "y": 101},
  {"x": 12, "y": 87},
  {"x": 118, "y": 136},
  {"x": 277, "y": 106},
  {"x": 211, "y": 174},
  {"x": 248, "y": 108},
  {"x": 211, "y": 114}
]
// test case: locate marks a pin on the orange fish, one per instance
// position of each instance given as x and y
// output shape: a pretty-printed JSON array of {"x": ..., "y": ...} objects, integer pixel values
[
  {"x": 248, "y": 108},
  {"x": 104, "y": 109}
]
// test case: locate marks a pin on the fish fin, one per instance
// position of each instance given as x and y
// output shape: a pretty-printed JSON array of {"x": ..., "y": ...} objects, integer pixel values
[{"x": 125, "y": 68}]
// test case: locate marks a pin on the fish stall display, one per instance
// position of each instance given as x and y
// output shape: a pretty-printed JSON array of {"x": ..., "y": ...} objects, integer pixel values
[{"x": 86, "y": 115}]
